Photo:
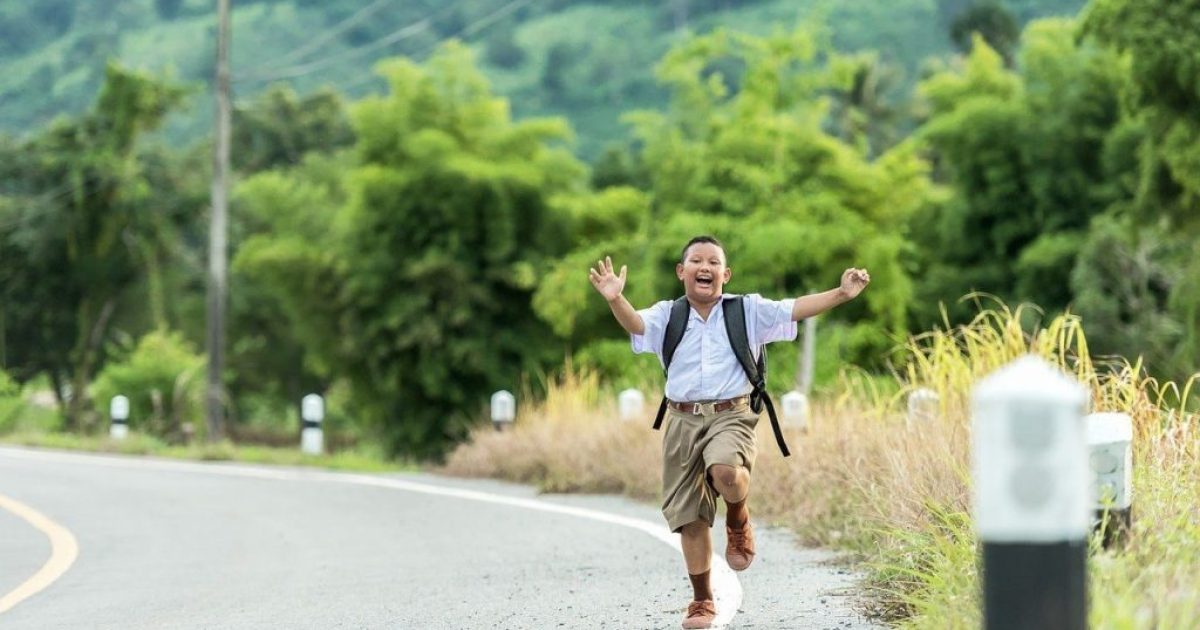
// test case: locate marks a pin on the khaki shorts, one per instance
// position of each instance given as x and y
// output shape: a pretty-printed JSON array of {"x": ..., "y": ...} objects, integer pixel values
[{"x": 692, "y": 443}]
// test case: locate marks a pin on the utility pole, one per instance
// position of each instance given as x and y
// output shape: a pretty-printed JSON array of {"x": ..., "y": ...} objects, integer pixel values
[
  {"x": 804, "y": 376},
  {"x": 217, "y": 254}
]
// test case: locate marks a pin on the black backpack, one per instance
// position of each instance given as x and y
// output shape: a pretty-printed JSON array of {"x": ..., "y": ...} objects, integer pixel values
[{"x": 735, "y": 328}]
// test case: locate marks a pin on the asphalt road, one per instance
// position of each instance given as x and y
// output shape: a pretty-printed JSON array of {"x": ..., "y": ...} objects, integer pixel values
[{"x": 164, "y": 544}]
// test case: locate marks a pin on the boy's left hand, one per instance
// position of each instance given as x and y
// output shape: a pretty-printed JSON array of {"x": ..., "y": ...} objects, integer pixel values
[{"x": 854, "y": 281}]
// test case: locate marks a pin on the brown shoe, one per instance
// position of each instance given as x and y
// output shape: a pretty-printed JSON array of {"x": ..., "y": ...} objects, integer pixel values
[
  {"x": 700, "y": 614},
  {"x": 739, "y": 546}
]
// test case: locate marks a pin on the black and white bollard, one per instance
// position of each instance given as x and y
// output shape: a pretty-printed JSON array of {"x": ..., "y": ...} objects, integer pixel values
[
  {"x": 1110, "y": 452},
  {"x": 118, "y": 411},
  {"x": 504, "y": 410},
  {"x": 1032, "y": 497},
  {"x": 795, "y": 410},
  {"x": 631, "y": 404},
  {"x": 312, "y": 437},
  {"x": 923, "y": 406}
]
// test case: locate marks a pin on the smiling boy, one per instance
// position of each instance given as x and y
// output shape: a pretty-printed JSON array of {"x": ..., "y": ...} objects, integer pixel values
[{"x": 709, "y": 448}]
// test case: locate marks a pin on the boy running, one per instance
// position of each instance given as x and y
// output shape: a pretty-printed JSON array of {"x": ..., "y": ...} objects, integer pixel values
[{"x": 709, "y": 449}]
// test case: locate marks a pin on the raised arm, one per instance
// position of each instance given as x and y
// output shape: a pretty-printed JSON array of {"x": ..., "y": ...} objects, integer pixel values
[
  {"x": 853, "y": 283},
  {"x": 611, "y": 286}
]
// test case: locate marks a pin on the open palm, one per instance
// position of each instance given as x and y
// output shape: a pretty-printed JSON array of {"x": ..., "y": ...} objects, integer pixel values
[{"x": 608, "y": 283}]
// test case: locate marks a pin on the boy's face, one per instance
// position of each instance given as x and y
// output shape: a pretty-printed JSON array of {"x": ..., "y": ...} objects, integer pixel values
[{"x": 703, "y": 272}]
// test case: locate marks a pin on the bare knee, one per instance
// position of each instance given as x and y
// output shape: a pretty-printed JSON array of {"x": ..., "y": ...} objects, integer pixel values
[
  {"x": 724, "y": 477},
  {"x": 695, "y": 529}
]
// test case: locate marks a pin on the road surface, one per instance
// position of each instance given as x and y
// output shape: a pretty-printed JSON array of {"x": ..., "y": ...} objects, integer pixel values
[{"x": 166, "y": 544}]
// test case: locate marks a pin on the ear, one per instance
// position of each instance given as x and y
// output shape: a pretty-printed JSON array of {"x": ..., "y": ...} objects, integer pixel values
[
  {"x": 679, "y": 270},
  {"x": 728, "y": 274}
]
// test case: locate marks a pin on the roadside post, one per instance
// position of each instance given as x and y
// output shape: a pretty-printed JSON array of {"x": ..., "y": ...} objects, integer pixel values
[
  {"x": 922, "y": 406},
  {"x": 631, "y": 404},
  {"x": 504, "y": 410},
  {"x": 118, "y": 412},
  {"x": 1032, "y": 498},
  {"x": 1110, "y": 452},
  {"x": 312, "y": 437},
  {"x": 795, "y": 410}
]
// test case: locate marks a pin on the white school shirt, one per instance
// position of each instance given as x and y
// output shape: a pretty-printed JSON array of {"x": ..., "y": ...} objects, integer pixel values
[{"x": 704, "y": 366}]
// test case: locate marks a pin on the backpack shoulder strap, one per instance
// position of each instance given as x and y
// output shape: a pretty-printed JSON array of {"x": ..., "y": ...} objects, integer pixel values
[
  {"x": 735, "y": 328},
  {"x": 756, "y": 371},
  {"x": 676, "y": 326}
]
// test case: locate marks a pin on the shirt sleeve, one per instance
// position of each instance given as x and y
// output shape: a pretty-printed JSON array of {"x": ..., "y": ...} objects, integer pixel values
[
  {"x": 771, "y": 320},
  {"x": 655, "y": 320}
]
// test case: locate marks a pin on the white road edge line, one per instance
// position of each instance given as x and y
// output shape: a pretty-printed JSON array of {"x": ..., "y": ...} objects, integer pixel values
[
  {"x": 63, "y": 551},
  {"x": 726, "y": 588}
]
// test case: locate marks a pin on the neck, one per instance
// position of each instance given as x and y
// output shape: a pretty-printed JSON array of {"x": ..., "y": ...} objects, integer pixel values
[{"x": 704, "y": 308}]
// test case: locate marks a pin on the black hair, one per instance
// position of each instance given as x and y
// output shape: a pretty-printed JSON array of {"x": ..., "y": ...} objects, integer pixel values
[{"x": 699, "y": 239}]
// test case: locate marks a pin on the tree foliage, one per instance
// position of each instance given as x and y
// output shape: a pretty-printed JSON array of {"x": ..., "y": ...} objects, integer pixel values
[
  {"x": 421, "y": 299},
  {"x": 1025, "y": 154},
  {"x": 73, "y": 231},
  {"x": 751, "y": 164}
]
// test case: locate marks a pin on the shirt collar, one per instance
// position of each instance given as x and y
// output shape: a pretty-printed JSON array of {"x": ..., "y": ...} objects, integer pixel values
[{"x": 716, "y": 312}]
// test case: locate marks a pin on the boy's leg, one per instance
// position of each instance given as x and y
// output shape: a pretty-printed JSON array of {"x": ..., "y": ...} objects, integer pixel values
[
  {"x": 733, "y": 484},
  {"x": 689, "y": 505},
  {"x": 730, "y": 454},
  {"x": 697, "y": 554}
]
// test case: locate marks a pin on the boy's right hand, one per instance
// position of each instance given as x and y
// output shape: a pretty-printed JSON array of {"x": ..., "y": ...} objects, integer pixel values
[{"x": 609, "y": 284}]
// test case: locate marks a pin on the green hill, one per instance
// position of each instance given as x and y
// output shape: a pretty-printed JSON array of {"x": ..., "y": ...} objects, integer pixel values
[{"x": 585, "y": 60}]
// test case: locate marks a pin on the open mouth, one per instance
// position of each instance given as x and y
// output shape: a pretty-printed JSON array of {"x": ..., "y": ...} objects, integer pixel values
[{"x": 704, "y": 281}]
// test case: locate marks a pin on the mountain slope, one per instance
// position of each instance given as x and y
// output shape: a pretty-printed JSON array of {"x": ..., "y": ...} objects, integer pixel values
[{"x": 589, "y": 61}]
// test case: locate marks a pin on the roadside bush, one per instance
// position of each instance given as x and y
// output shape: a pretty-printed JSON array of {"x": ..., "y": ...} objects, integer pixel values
[{"x": 163, "y": 379}]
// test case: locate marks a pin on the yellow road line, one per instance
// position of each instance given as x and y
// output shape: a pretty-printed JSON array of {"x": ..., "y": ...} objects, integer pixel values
[{"x": 63, "y": 551}]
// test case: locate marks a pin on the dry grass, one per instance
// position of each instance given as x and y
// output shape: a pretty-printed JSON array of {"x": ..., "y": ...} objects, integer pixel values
[
  {"x": 863, "y": 478},
  {"x": 570, "y": 442}
]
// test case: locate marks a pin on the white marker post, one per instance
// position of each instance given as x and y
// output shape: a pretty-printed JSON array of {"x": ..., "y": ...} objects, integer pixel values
[
  {"x": 631, "y": 404},
  {"x": 795, "y": 410},
  {"x": 1110, "y": 452},
  {"x": 1032, "y": 497},
  {"x": 923, "y": 406},
  {"x": 504, "y": 410},
  {"x": 312, "y": 437},
  {"x": 118, "y": 412}
]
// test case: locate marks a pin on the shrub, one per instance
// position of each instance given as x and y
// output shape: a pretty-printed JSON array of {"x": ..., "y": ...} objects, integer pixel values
[{"x": 163, "y": 379}]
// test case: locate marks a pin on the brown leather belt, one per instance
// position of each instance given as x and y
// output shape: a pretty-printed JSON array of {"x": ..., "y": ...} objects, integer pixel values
[{"x": 705, "y": 408}]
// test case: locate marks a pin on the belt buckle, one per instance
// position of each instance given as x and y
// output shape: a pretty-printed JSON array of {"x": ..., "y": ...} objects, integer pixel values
[{"x": 697, "y": 409}]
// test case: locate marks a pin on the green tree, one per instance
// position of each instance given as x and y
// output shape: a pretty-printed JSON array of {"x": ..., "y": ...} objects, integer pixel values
[
  {"x": 503, "y": 49},
  {"x": 1122, "y": 284},
  {"x": 991, "y": 21},
  {"x": 279, "y": 128},
  {"x": 863, "y": 113},
  {"x": 1162, "y": 44},
  {"x": 1024, "y": 154},
  {"x": 435, "y": 236},
  {"x": 450, "y": 229},
  {"x": 286, "y": 277},
  {"x": 794, "y": 205},
  {"x": 70, "y": 241}
]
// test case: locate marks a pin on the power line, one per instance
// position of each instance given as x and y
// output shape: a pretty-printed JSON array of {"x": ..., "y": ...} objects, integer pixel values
[
  {"x": 312, "y": 45},
  {"x": 400, "y": 34},
  {"x": 466, "y": 31}
]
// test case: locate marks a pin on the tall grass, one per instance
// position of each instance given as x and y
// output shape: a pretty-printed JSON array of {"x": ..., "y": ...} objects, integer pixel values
[{"x": 896, "y": 493}]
